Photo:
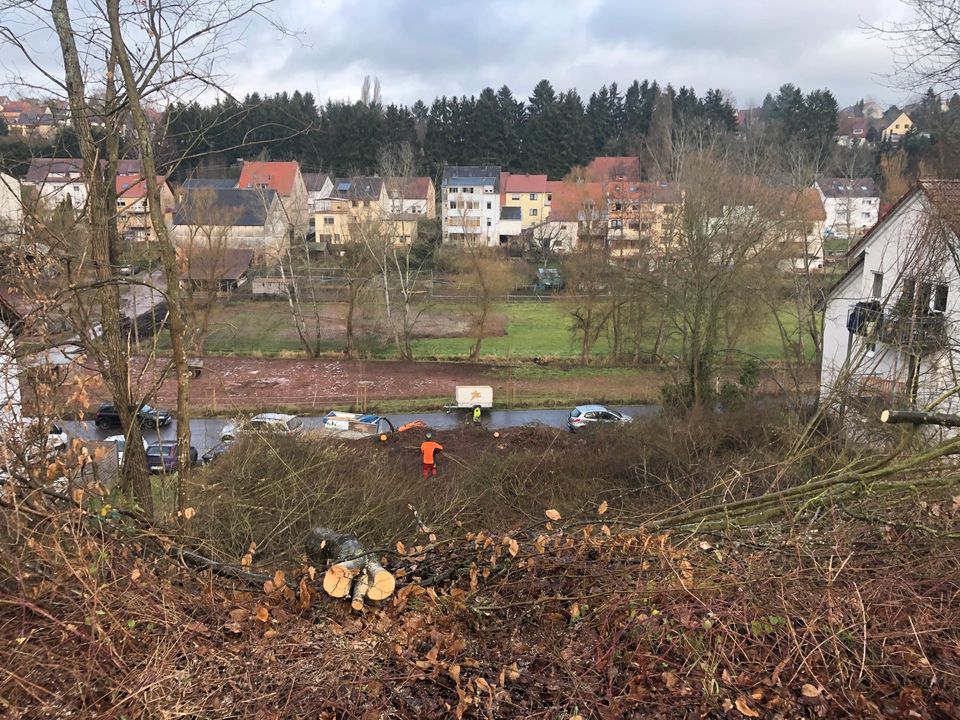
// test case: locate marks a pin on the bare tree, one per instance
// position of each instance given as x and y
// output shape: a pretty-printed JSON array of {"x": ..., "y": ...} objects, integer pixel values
[{"x": 926, "y": 48}]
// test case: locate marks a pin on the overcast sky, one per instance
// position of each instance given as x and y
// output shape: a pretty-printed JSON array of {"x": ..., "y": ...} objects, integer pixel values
[{"x": 420, "y": 49}]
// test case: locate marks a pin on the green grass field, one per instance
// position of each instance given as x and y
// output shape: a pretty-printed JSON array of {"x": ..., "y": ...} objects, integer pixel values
[{"x": 533, "y": 329}]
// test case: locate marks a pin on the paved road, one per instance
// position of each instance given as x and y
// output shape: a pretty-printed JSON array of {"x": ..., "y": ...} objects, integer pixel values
[{"x": 206, "y": 432}]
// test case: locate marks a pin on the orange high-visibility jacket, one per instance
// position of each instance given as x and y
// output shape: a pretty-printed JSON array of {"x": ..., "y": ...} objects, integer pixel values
[{"x": 429, "y": 449}]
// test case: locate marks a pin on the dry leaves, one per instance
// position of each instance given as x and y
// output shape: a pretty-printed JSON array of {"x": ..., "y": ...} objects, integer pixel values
[
  {"x": 745, "y": 708},
  {"x": 603, "y": 508},
  {"x": 810, "y": 691},
  {"x": 552, "y": 514}
]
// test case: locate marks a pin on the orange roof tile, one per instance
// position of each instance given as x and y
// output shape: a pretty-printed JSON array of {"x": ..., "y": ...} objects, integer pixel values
[
  {"x": 568, "y": 199},
  {"x": 133, "y": 186},
  {"x": 278, "y": 176},
  {"x": 605, "y": 168},
  {"x": 510, "y": 183}
]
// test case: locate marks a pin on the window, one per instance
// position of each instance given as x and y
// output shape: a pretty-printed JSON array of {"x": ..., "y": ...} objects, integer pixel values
[
  {"x": 328, "y": 221},
  {"x": 617, "y": 206},
  {"x": 877, "y": 291},
  {"x": 533, "y": 212},
  {"x": 468, "y": 190},
  {"x": 489, "y": 222},
  {"x": 76, "y": 189},
  {"x": 514, "y": 197},
  {"x": 549, "y": 198},
  {"x": 940, "y": 299},
  {"x": 533, "y": 196},
  {"x": 453, "y": 204},
  {"x": 489, "y": 205},
  {"x": 453, "y": 190}
]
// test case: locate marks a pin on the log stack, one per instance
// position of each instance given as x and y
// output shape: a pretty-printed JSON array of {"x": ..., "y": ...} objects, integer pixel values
[{"x": 354, "y": 571}]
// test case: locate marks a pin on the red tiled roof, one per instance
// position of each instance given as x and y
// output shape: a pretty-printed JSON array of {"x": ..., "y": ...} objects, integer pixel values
[
  {"x": 603, "y": 169},
  {"x": 568, "y": 199},
  {"x": 278, "y": 176},
  {"x": 510, "y": 183},
  {"x": 659, "y": 193},
  {"x": 133, "y": 186},
  {"x": 413, "y": 188}
]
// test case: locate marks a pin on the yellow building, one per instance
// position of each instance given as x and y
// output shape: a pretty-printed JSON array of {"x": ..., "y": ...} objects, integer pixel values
[
  {"x": 355, "y": 206},
  {"x": 133, "y": 212},
  {"x": 529, "y": 193},
  {"x": 898, "y": 128}
]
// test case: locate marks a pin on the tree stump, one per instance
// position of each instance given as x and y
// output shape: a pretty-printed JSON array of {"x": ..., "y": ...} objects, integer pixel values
[{"x": 354, "y": 572}]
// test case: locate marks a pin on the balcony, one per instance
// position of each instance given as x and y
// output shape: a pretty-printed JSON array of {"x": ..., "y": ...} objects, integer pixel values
[{"x": 911, "y": 333}]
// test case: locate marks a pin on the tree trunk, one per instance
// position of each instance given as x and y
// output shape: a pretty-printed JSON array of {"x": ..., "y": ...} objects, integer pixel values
[
  {"x": 352, "y": 565},
  {"x": 176, "y": 323},
  {"x": 112, "y": 359}
]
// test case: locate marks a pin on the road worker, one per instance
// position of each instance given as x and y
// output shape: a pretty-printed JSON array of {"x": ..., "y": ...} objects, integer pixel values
[
  {"x": 428, "y": 450},
  {"x": 476, "y": 414}
]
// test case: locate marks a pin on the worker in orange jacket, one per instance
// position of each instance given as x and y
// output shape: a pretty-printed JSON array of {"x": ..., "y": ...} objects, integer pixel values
[{"x": 429, "y": 449}]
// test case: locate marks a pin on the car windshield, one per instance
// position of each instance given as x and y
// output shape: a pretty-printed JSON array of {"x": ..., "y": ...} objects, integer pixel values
[
  {"x": 575, "y": 412},
  {"x": 295, "y": 424},
  {"x": 56, "y": 429},
  {"x": 146, "y": 409}
]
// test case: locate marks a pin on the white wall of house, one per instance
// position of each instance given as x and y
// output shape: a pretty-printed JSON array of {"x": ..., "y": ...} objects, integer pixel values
[
  {"x": 53, "y": 192},
  {"x": 314, "y": 197},
  {"x": 11, "y": 208},
  {"x": 471, "y": 212},
  {"x": 888, "y": 258},
  {"x": 849, "y": 217}
]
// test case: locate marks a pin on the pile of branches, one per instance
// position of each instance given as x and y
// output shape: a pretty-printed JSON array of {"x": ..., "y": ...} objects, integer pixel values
[{"x": 832, "y": 617}]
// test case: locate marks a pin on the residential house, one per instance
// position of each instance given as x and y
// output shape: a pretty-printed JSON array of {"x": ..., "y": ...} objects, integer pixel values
[
  {"x": 802, "y": 219},
  {"x": 215, "y": 270},
  {"x": 852, "y": 205},
  {"x": 11, "y": 208},
  {"x": 319, "y": 186},
  {"x": 527, "y": 192},
  {"x": 470, "y": 205},
  {"x": 238, "y": 218},
  {"x": 510, "y": 227},
  {"x": 413, "y": 196},
  {"x": 897, "y": 128},
  {"x": 852, "y": 131},
  {"x": 641, "y": 215},
  {"x": 287, "y": 181},
  {"x": 891, "y": 322},
  {"x": 577, "y": 217},
  {"x": 133, "y": 210},
  {"x": 609, "y": 168},
  {"x": 52, "y": 181},
  {"x": 355, "y": 208}
]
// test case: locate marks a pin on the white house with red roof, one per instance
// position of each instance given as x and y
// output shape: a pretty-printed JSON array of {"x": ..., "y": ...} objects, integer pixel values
[{"x": 287, "y": 180}]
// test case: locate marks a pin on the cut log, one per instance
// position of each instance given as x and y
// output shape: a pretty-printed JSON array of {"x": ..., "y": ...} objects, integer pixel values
[
  {"x": 919, "y": 417},
  {"x": 360, "y": 588},
  {"x": 381, "y": 582},
  {"x": 354, "y": 572}
]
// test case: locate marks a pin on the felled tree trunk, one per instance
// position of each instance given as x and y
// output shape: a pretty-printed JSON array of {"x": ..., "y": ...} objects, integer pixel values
[
  {"x": 917, "y": 417},
  {"x": 352, "y": 566}
]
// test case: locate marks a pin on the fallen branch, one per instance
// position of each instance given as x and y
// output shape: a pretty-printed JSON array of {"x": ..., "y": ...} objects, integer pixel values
[
  {"x": 355, "y": 571},
  {"x": 919, "y": 417}
]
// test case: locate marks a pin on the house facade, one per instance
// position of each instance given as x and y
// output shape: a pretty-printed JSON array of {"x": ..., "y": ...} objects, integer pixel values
[
  {"x": 577, "y": 216},
  {"x": 246, "y": 219},
  {"x": 319, "y": 187},
  {"x": 133, "y": 209},
  {"x": 897, "y": 128},
  {"x": 641, "y": 215},
  {"x": 527, "y": 192},
  {"x": 891, "y": 321},
  {"x": 470, "y": 205},
  {"x": 355, "y": 208},
  {"x": 11, "y": 208},
  {"x": 286, "y": 180},
  {"x": 412, "y": 196},
  {"x": 52, "y": 181},
  {"x": 852, "y": 206}
]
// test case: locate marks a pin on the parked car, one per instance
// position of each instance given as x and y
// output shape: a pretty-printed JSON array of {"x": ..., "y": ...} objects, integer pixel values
[
  {"x": 584, "y": 416},
  {"x": 273, "y": 423},
  {"x": 33, "y": 438},
  {"x": 109, "y": 416},
  {"x": 121, "y": 442},
  {"x": 216, "y": 451},
  {"x": 162, "y": 457}
]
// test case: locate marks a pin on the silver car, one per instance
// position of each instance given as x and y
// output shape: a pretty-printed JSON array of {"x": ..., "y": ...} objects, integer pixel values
[
  {"x": 584, "y": 416},
  {"x": 278, "y": 423}
]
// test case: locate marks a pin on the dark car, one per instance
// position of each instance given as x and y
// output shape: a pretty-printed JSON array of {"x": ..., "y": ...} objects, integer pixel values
[
  {"x": 162, "y": 457},
  {"x": 216, "y": 451},
  {"x": 108, "y": 416}
]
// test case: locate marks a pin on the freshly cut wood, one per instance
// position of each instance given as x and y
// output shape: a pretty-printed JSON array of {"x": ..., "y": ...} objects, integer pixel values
[
  {"x": 354, "y": 572},
  {"x": 360, "y": 588},
  {"x": 382, "y": 582},
  {"x": 919, "y": 417}
]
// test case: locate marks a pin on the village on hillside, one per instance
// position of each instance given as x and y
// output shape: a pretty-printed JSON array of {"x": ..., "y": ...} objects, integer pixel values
[{"x": 434, "y": 401}]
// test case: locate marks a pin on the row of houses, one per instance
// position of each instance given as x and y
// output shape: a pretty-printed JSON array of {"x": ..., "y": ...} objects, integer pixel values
[{"x": 607, "y": 200}]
